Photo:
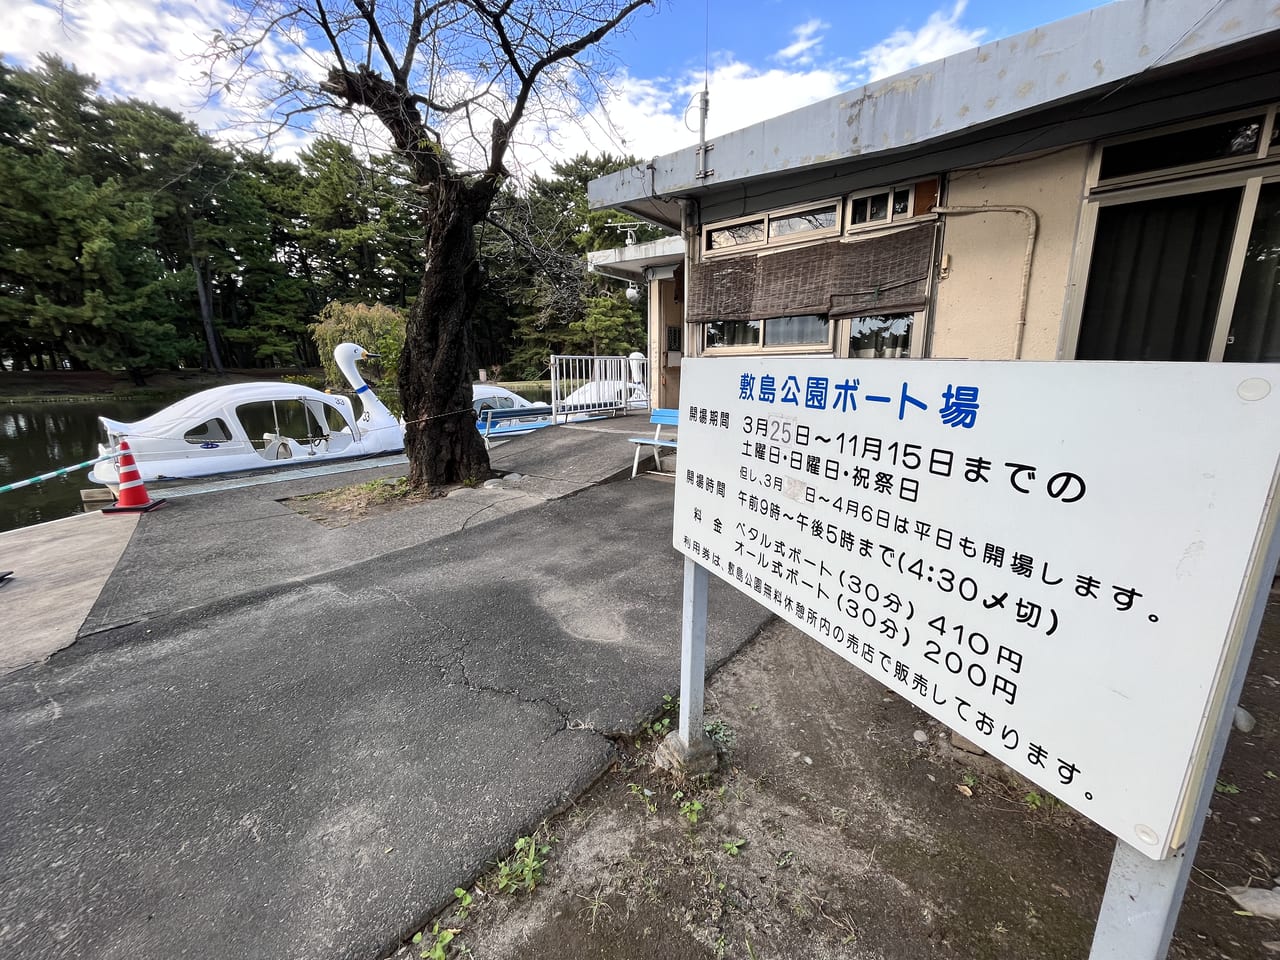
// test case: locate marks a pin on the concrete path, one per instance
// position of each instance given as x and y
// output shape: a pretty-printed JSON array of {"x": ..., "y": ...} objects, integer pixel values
[
  {"x": 58, "y": 570},
  {"x": 279, "y": 739}
]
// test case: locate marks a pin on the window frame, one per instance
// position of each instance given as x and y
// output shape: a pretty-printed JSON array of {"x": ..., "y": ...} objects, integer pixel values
[
  {"x": 766, "y": 219},
  {"x": 915, "y": 351},
  {"x": 1095, "y": 183},
  {"x": 813, "y": 348},
  {"x": 890, "y": 221},
  {"x": 1249, "y": 180}
]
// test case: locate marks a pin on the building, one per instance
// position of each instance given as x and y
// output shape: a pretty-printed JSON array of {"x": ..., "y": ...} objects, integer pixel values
[{"x": 1106, "y": 187}]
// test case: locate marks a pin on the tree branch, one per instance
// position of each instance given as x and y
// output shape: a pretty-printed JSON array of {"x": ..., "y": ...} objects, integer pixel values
[{"x": 501, "y": 137}]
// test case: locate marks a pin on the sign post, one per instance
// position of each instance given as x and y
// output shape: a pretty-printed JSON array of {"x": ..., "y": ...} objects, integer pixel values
[
  {"x": 1067, "y": 563},
  {"x": 1141, "y": 902},
  {"x": 688, "y": 750}
]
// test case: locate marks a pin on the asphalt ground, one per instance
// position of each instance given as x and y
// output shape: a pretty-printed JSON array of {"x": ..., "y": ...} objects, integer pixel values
[{"x": 277, "y": 739}]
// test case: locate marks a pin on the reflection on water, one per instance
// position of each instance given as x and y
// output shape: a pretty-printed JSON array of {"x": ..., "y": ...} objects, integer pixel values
[{"x": 36, "y": 438}]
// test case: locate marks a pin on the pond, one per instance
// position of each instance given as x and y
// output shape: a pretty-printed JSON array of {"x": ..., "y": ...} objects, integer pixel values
[{"x": 36, "y": 438}]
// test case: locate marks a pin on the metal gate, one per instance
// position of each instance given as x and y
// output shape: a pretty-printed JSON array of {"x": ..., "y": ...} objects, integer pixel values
[{"x": 586, "y": 386}]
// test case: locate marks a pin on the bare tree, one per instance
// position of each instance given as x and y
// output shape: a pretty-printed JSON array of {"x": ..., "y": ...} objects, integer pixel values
[{"x": 420, "y": 68}]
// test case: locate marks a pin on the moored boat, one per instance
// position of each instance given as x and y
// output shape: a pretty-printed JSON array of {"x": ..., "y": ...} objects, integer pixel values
[{"x": 252, "y": 426}]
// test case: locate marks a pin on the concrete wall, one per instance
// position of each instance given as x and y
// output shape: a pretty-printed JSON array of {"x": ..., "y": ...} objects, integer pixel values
[{"x": 978, "y": 303}]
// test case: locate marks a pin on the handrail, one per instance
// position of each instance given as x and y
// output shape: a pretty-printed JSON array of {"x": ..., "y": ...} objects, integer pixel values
[{"x": 61, "y": 472}]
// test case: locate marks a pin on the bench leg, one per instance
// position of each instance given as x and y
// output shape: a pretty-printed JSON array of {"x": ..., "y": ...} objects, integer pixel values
[{"x": 635, "y": 464}]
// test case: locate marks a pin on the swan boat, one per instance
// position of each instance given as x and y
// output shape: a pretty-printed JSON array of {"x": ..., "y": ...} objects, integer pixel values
[{"x": 251, "y": 426}]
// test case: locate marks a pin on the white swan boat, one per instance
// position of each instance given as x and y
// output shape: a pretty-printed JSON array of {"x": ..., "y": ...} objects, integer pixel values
[{"x": 252, "y": 426}]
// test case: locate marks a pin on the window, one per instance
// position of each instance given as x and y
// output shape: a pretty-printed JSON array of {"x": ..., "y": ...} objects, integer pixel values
[
  {"x": 735, "y": 235},
  {"x": 809, "y": 331},
  {"x": 1196, "y": 146},
  {"x": 804, "y": 221},
  {"x": 733, "y": 333},
  {"x": 211, "y": 431},
  {"x": 793, "y": 331},
  {"x": 887, "y": 205},
  {"x": 885, "y": 335},
  {"x": 880, "y": 207},
  {"x": 264, "y": 418},
  {"x": 1155, "y": 283},
  {"x": 492, "y": 403},
  {"x": 1186, "y": 268},
  {"x": 791, "y": 225}
]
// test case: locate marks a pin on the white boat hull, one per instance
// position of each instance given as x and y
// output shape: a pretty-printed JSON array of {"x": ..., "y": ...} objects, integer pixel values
[{"x": 244, "y": 427}]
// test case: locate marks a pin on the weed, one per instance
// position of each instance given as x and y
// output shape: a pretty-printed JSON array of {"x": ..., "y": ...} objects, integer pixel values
[
  {"x": 785, "y": 859},
  {"x": 523, "y": 869},
  {"x": 721, "y": 734},
  {"x": 595, "y": 903},
  {"x": 661, "y": 726},
  {"x": 1223, "y": 787},
  {"x": 690, "y": 809},
  {"x": 464, "y": 902},
  {"x": 1037, "y": 801},
  {"x": 439, "y": 943},
  {"x": 969, "y": 780},
  {"x": 733, "y": 847},
  {"x": 644, "y": 795}
]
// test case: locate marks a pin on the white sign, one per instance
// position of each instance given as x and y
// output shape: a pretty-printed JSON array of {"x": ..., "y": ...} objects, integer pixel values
[{"x": 1050, "y": 558}]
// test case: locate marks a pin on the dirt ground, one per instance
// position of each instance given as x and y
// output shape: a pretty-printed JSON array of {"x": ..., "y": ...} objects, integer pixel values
[
  {"x": 344, "y": 506},
  {"x": 843, "y": 824}
]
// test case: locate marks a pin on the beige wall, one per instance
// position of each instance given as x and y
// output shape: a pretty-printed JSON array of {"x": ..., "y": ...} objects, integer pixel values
[{"x": 977, "y": 304}]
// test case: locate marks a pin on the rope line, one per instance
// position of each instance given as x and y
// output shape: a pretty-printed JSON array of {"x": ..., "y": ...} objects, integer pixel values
[{"x": 60, "y": 472}]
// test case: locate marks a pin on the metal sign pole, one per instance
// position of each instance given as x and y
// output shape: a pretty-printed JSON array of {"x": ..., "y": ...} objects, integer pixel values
[
  {"x": 1143, "y": 896},
  {"x": 693, "y": 653},
  {"x": 688, "y": 750}
]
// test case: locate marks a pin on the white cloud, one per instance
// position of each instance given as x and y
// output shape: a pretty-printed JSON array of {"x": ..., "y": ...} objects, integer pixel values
[
  {"x": 941, "y": 36},
  {"x": 653, "y": 116},
  {"x": 135, "y": 48},
  {"x": 148, "y": 49},
  {"x": 807, "y": 39}
]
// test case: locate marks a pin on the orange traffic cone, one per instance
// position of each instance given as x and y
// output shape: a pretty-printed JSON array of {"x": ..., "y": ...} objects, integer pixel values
[{"x": 133, "y": 497}]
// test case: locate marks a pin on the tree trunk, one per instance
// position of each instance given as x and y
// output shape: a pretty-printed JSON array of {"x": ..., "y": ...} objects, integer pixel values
[
  {"x": 206, "y": 301},
  {"x": 441, "y": 439}
]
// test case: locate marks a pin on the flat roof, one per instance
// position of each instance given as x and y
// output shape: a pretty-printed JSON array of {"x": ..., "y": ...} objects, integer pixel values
[
  {"x": 993, "y": 83},
  {"x": 630, "y": 263}
]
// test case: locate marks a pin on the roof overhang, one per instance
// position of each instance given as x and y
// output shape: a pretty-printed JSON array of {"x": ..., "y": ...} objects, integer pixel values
[
  {"x": 631, "y": 263},
  {"x": 1097, "y": 52}
]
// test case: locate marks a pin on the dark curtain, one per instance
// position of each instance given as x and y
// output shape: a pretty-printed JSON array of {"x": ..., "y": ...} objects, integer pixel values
[{"x": 1155, "y": 280}]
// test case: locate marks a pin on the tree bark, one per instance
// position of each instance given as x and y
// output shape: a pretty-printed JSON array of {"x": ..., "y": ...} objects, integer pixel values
[
  {"x": 441, "y": 439},
  {"x": 206, "y": 302}
]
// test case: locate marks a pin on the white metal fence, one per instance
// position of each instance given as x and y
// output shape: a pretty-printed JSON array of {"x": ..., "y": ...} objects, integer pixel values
[{"x": 595, "y": 386}]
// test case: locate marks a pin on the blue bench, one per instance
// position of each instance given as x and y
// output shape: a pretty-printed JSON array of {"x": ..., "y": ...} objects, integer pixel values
[
  {"x": 662, "y": 418},
  {"x": 507, "y": 421}
]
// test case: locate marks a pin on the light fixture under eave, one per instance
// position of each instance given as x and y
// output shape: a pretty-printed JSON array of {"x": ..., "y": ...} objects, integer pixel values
[{"x": 633, "y": 292}]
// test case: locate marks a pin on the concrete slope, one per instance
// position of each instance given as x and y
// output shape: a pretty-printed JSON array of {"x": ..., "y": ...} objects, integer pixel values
[{"x": 308, "y": 768}]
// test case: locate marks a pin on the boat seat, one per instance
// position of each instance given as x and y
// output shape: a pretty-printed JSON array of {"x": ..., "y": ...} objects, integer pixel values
[{"x": 276, "y": 447}]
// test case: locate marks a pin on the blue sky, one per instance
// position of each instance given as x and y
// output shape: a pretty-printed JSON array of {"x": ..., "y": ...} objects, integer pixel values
[{"x": 765, "y": 57}]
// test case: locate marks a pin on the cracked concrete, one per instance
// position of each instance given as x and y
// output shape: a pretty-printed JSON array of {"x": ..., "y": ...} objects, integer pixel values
[{"x": 298, "y": 743}]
